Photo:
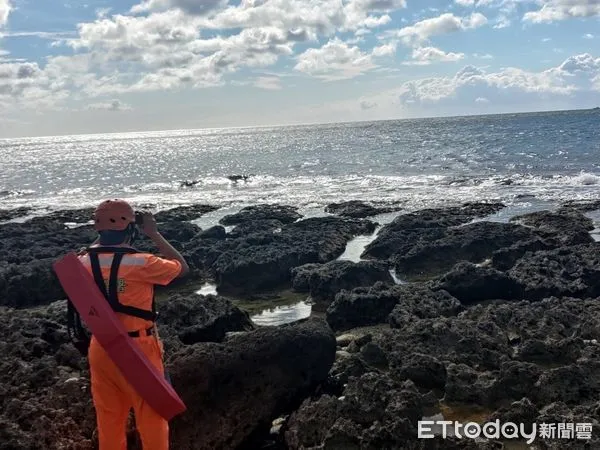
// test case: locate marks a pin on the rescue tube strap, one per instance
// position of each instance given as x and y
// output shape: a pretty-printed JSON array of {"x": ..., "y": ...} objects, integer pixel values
[
  {"x": 112, "y": 295},
  {"x": 138, "y": 333}
]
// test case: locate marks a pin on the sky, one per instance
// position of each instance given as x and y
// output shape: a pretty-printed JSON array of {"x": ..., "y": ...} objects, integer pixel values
[{"x": 96, "y": 66}]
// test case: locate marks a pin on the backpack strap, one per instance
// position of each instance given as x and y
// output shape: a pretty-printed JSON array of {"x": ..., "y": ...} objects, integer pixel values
[
  {"x": 76, "y": 331},
  {"x": 112, "y": 295}
]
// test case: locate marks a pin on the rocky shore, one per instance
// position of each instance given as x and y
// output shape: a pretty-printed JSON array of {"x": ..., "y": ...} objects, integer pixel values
[{"x": 491, "y": 320}]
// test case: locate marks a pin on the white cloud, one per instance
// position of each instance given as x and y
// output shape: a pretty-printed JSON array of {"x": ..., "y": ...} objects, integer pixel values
[
  {"x": 483, "y": 56},
  {"x": 498, "y": 3},
  {"x": 380, "y": 5},
  {"x": 576, "y": 74},
  {"x": 502, "y": 22},
  {"x": 385, "y": 49},
  {"x": 446, "y": 23},
  {"x": 554, "y": 10},
  {"x": 166, "y": 51},
  {"x": 5, "y": 9},
  {"x": 165, "y": 48},
  {"x": 128, "y": 37},
  {"x": 27, "y": 85},
  {"x": 588, "y": 36},
  {"x": 314, "y": 17},
  {"x": 334, "y": 61},
  {"x": 581, "y": 64},
  {"x": 195, "y": 7},
  {"x": 429, "y": 55},
  {"x": 101, "y": 13},
  {"x": 269, "y": 83},
  {"x": 113, "y": 105},
  {"x": 358, "y": 13},
  {"x": 475, "y": 21},
  {"x": 180, "y": 44},
  {"x": 572, "y": 84},
  {"x": 53, "y": 36},
  {"x": 16, "y": 78}
]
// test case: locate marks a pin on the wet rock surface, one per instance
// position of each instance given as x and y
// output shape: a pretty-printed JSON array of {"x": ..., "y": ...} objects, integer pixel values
[
  {"x": 324, "y": 281},
  {"x": 473, "y": 243},
  {"x": 505, "y": 258},
  {"x": 567, "y": 271},
  {"x": 215, "y": 232},
  {"x": 27, "y": 251},
  {"x": 516, "y": 358},
  {"x": 21, "y": 243},
  {"x": 375, "y": 412},
  {"x": 358, "y": 209},
  {"x": 10, "y": 214},
  {"x": 183, "y": 213},
  {"x": 44, "y": 388},
  {"x": 194, "y": 318},
  {"x": 507, "y": 321},
  {"x": 398, "y": 237},
  {"x": 45, "y": 399},
  {"x": 76, "y": 216},
  {"x": 423, "y": 245},
  {"x": 582, "y": 206},
  {"x": 264, "y": 260},
  {"x": 568, "y": 226},
  {"x": 266, "y": 226},
  {"x": 235, "y": 387},
  {"x": 282, "y": 213},
  {"x": 400, "y": 303},
  {"x": 470, "y": 283},
  {"x": 30, "y": 284}
]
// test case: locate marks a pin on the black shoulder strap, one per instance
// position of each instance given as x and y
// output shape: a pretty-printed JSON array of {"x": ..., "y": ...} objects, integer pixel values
[
  {"x": 112, "y": 294},
  {"x": 76, "y": 331},
  {"x": 113, "y": 278},
  {"x": 97, "y": 272}
]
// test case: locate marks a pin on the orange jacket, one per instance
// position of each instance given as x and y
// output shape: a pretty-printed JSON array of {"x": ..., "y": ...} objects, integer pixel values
[{"x": 138, "y": 273}]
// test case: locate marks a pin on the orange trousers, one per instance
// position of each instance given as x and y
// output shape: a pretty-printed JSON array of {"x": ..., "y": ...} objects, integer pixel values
[{"x": 113, "y": 398}]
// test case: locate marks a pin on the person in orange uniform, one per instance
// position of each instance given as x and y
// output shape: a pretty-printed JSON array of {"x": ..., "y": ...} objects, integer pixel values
[{"x": 127, "y": 279}]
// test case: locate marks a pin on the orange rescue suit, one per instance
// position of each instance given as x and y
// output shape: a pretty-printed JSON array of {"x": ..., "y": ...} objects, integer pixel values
[{"x": 112, "y": 395}]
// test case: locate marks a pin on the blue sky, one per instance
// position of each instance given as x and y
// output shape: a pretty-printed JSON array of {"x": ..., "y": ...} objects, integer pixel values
[{"x": 106, "y": 66}]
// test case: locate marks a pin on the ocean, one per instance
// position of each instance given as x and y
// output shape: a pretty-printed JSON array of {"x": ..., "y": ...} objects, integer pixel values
[{"x": 528, "y": 161}]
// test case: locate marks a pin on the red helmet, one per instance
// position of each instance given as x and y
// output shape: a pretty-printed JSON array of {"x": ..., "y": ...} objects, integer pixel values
[{"x": 113, "y": 214}]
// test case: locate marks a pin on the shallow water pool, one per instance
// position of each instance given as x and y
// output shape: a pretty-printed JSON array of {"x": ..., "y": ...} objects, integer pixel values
[
  {"x": 207, "y": 289},
  {"x": 283, "y": 314}
]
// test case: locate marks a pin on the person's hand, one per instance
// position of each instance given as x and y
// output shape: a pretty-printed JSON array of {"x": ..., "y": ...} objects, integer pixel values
[{"x": 149, "y": 227}]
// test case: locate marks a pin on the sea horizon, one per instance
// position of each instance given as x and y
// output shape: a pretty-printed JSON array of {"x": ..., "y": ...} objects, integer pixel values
[{"x": 304, "y": 124}]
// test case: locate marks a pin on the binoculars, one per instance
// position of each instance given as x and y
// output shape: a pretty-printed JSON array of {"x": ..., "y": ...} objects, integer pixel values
[{"x": 139, "y": 218}]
